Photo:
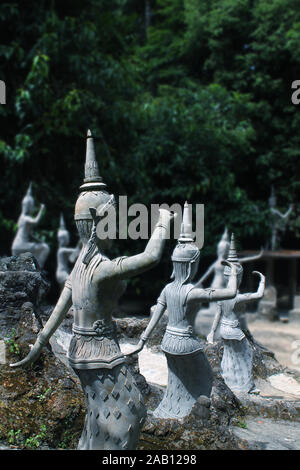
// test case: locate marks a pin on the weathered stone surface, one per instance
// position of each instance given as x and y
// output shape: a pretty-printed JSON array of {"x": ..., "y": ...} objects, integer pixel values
[
  {"x": 42, "y": 404},
  {"x": 20, "y": 281}
]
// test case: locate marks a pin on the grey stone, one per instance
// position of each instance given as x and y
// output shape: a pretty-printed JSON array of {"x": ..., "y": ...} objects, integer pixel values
[{"x": 24, "y": 239}]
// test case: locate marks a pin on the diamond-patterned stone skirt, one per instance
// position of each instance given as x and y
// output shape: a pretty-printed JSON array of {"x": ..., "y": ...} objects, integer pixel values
[
  {"x": 236, "y": 365},
  {"x": 189, "y": 376},
  {"x": 115, "y": 409}
]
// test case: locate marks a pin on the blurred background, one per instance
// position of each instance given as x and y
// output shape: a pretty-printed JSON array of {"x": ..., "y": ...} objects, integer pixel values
[{"x": 186, "y": 99}]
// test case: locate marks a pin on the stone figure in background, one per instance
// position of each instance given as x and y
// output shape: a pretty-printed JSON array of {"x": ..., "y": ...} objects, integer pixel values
[
  {"x": 278, "y": 220},
  {"x": 189, "y": 372},
  {"x": 65, "y": 256},
  {"x": 205, "y": 315},
  {"x": 236, "y": 365},
  {"x": 217, "y": 268},
  {"x": 115, "y": 409},
  {"x": 24, "y": 239}
]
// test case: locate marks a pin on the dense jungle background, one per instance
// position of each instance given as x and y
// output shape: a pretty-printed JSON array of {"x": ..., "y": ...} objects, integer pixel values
[{"x": 187, "y": 100}]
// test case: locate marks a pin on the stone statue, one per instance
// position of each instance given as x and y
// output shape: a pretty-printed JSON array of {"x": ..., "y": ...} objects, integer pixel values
[
  {"x": 236, "y": 365},
  {"x": 278, "y": 220},
  {"x": 115, "y": 409},
  {"x": 65, "y": 255},
  {"x": 23, "y": 240},
  {"x": 217, "y": 268},
  {"x": 189, "y": 372},
  {"x": 204, "y": 317}
]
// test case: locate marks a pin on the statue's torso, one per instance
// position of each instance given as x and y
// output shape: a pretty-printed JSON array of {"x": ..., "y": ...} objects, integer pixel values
[
  {"x": 179, "y": 337},
  {"x": 94, "y": 343},
  {"x": 230, "y": 327}
]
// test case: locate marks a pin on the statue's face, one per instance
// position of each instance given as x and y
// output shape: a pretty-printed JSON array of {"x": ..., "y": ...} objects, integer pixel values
[
  {"x": 223, "y": 249},
  {"x": 27, "y": 205},
  {"x": 63, "y": 238},
  {"x": 239, "y": 279}
]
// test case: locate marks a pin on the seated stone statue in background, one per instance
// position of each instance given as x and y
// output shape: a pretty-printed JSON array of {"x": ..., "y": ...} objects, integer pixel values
[
  {"x": 65, "y": 256},
  {"x": 189, "y": 372},
  {"x": 115, "y": 408},
  {"x": 24, "y": 239},
  {"x": 236, "y": 365}
]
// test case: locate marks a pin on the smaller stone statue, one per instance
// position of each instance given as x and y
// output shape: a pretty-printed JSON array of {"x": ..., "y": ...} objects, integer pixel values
[
  {"x": 217, "y": 268},
  {"x": 189, "y": 372},
  {"x": 236, "y": 365},
  {"x": 278, "y": 220},
  {"x": 65, "y": 255},
  {"x": 23, "y": 240}
]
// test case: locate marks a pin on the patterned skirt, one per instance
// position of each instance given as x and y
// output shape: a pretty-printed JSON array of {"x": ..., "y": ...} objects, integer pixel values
[
  {"x": 236, "y": 365},
  {"x": 115, "y": 409},
  {"x": 189, "y": 377}
]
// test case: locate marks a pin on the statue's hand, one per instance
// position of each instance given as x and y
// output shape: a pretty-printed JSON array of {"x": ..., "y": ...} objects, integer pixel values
[
  {"x": 231, "y": 265},
  {"x": 210, "y": 337},
  {"x": 262, "y": 277},
  {"x": 31, "y": 357},
  {"x": 139, "y": 347},
  {"x": 166, "y": 216}
]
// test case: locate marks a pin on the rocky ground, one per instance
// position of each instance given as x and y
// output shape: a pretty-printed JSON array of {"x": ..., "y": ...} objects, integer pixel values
[{"x": 42, "y": 407}]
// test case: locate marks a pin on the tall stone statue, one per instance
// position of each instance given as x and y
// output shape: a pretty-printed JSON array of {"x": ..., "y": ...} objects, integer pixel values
[
  {"x": 65, "y": 256},
  {"x": 236, "y": 365},
  {"x": 189, "y": 372},
  {"x": 115, "y": 409},
  {"x": 24, "y": 239},
  {"x": 278, "y": 220}
]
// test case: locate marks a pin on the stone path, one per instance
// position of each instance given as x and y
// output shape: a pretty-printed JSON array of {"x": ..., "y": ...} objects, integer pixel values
[
  {"x": 269, "y": 434},
  {"x": 281, "y": 338}
]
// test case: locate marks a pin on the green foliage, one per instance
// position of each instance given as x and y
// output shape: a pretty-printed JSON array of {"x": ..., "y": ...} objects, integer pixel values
[
  {"x": 197, "y": 106},
  {"x": 13, "y": 347}
]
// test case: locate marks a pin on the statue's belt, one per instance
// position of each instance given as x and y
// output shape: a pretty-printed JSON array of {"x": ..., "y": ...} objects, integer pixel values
[
  {"x": 232, "y": 323},
  {"x": 180, "y": 331},
  {"x": 99, "y": 329}
]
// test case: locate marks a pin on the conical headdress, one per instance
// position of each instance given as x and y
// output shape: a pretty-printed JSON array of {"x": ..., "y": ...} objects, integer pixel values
[
  {"x": 28, "y": 196},
  {"x": 93, "y": 189},
  {"x": 223, "y": 244},
  {"x": 232, "y": 257},
  {"x": 186, "y": 249},
  {"x": 62, "y": 225},
  {"x": 92, "y": 178}
]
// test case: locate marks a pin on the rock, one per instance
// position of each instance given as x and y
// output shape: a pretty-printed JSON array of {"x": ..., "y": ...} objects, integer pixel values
[
  {"x": 42, "y": 404},
  {"x": 21, "y": 281}
]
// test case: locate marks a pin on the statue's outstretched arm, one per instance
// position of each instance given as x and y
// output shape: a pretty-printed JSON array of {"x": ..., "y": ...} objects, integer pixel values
[
  {"x": 210, "y": 336},
  {"x": 134, "y": 265},
  {"x": 217, "y": 294},
  {"x": 35, "y": 220},
  {"x": 159, "y": 310},
  {"x": 283, "y": 216},
  {"x": 62, "y": 307},
  {"x": 205, "y": 276},
  {"x": 251, "y": 258},
  {"x": 255, "y": 295}
]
